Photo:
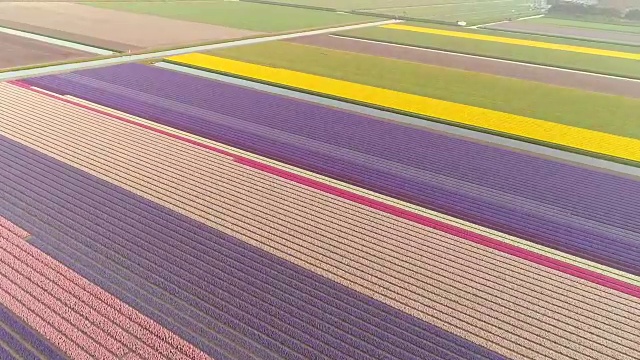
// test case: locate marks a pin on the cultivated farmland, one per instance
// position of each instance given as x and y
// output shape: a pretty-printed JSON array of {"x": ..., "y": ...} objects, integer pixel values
[
  {"x": 585, "y": 24},
  {"x": 19, "y": 51},
  {"x": 241, "y": 15},
  {"x": 204, "y": 210},
  {"x": 513, "y": 96},
  {"x": 451, "y": 11},
  {"x": 365, "y": 4},
  {"x": 110, "y": 29},
  {"x": 550, "y": 76},
  {"x": 314, "y": 196},
  {"x": 472, "y": 13},
  {"x": 618, "y": 37},
  {"x": 552, "y": 55}
]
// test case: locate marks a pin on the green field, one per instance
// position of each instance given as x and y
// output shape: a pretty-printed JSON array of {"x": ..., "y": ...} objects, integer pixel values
[
  {"x": 573, "y": 107},
  {"x": 635, "y": 29},
  {"x": 213, "y": 11},
  {"x": 366, "y": 4},
  {"x": 480, "y": 12},
  {"x": 557, "y": 58},
  {"x": 119, "y": 1},
  {"x": 472, "y": 11},
  {"x": 240, "y": 15}
]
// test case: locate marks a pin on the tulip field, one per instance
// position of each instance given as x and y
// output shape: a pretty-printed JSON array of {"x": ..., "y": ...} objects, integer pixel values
[
  {"x": 275, "y": 228},
  {"x": 537, "y": 130},
  {"x": 312, "y": 195}
]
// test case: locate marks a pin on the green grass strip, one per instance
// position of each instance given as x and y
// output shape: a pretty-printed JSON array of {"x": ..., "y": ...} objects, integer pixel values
[{"x": 240, "y": 15}]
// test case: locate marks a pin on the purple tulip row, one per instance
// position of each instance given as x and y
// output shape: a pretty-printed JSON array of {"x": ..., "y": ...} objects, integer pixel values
[
  {"x": 580, "y": 211},
  {"x": 22, "y": 340},
  {"x": 226, "y": 297}
]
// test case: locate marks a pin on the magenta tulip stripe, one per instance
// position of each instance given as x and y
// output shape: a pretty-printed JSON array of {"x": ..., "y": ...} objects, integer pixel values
[{"x": 149, "y": 214}]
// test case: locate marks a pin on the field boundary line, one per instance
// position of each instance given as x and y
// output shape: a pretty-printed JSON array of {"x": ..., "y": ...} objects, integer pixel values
[
  {"x": 58, "y": 42},
  {"x": 124, "y": 58},
  {"x": 500, "y": 22}
]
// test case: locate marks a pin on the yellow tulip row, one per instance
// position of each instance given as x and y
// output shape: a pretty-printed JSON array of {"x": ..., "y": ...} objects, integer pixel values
[
  {"x": 513, "y": 41},
  {"x": 534, "y": 129}
]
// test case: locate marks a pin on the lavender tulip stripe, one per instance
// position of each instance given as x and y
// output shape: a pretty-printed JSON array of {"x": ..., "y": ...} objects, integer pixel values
[
  {"x": 580, "y": 211},
  {"x": 19, "y": 339},
  {"x": 228, "y": 298}
]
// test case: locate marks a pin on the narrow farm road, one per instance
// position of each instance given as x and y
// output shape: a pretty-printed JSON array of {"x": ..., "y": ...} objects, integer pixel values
[{"x": 19, "y": 74}]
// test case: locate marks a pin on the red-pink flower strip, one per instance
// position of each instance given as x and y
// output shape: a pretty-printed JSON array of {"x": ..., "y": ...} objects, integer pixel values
[
  {"x": 80, "y": 318},
  {"x": 12, "y": 228}
]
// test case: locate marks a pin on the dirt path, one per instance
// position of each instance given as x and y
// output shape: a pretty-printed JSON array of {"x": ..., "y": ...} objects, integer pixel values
[
  {"x": 18, "y": 51},
  {"x": 578, "y": 33},
  {"x": 559, "y": 77},
  {"x": 109, "y": 28}
]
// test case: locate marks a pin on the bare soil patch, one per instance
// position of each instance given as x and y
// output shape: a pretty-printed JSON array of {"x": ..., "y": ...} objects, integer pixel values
[
  {"x": 77, "y": 38},
  {"x": 566, "y": 31},
  {"x": 110, "y": 29},
  {"x": 558, "y": 77},
  {"x": 19, "y": 51}
]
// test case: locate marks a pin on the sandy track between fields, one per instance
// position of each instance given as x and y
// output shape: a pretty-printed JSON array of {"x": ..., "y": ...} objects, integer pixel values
[
  {"x": 577, "y": 80},
  {"x": 18, "y": 51},
  {"x": 109, "y": 28},
  {"x": 579, "y": 33}
]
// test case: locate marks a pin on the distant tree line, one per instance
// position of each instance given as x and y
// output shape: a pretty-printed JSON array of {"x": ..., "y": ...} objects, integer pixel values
[{"x": 581, "y": 10}]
